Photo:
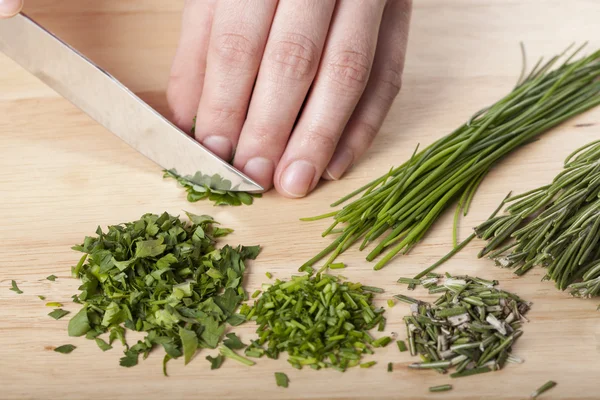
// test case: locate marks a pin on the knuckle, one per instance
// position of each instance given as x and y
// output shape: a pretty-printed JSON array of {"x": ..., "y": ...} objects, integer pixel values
[
  {"x": 265, "y": 134},
  {"x": 236, "y": 49},
  {"x": 367, "y": 131},
  {"x": 390, "y": 81},
  {"x": 319, "y": 137},
  {"x": 350, "y": 69},
  {"x": 294, "y": 56}
]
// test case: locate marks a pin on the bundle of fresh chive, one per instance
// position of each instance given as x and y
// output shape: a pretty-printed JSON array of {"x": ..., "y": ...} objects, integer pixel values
[
  {"x": 472, "y": 326},
  {"x": 556, "y": 226},
  {"x": 403, "y": 204},
  {"x": 320, "y": 321}
]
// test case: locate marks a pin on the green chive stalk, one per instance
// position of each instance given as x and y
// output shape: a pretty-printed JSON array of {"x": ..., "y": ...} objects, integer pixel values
[
  {"x": 555, "y": 226},
  {"x": 397, "y": 209}
]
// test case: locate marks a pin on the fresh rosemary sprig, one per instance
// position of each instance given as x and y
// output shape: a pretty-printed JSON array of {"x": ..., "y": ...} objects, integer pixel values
[
  {"x": 471, "y": 327},
  {"x": 398, "y": 208},
  {"x": 555, "y": 226}
]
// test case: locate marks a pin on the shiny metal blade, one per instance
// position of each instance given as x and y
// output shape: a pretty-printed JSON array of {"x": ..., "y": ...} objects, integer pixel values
[{"x": 110, "y": 103}]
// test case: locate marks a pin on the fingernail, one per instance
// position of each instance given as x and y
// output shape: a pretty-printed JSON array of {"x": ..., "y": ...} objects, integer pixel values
[
  {"x": 261, "y": 170},
  {"x": 339, "y": 164},
  {"x": 219, "y": 145},
  {"x": 9, "y": 8},
  {"x": 297, "y": 178}
]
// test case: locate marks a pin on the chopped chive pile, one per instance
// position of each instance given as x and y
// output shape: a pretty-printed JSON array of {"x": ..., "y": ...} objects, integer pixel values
[
  {"x": 162, "y": 276},
  {"x": 470, "y": 328},
  {"x": 555, "y": 226},
  {"x": 320, "y": 321},
  {"x": 395, "y": 211}
]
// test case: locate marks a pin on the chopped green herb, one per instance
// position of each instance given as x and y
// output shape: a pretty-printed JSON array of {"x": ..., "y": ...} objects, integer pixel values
[
  {"x": 471, "y": 326},
  {"x": 382, "y": 341},
  {"x": 51, "y": 278},
  {"x": 281, "y": 379},
  {"x": 233, "y": 342},
  {"x": 337, "y": 266},
  {"x": 227, "y": 352},
  {"x": 65, "y": 348},
  {"x": 401, "y": 345},
  {"x": 269, "y": 275},
  {"x": 102, "y": 344},
  {"x": 213, "y": 188},
  {"x": 54, "y": 304},
  {"x": 216, "y": 362},
  {"x": 163, "y": 277},
  {"x": 440, "y": 388},
  {"x": 390, "y": 303},
  {"x": 368, "y": 364},
  {"x": 545, "y": 387},
  {"x": 320, "y": 321},
  {"x": 42, "y": 297},
  {"x": 372, "y": 289},
  {"x": 256, "y": 294},
  {"x": 58, "y": 313},
  {"x": 397, "y": 209},
  {"x": 15, "y": 288},
  {"x": 390, "y": 367}
]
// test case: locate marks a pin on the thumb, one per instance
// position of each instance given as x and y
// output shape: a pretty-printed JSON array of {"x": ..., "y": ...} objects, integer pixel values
[{"x": 9, "y": 8}]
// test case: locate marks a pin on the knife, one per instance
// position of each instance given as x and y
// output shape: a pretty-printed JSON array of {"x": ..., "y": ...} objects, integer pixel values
[{"x": 111, "y": 104}]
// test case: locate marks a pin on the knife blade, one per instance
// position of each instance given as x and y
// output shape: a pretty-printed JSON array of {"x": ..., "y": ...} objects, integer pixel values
[{"x": 110, "y": 103}]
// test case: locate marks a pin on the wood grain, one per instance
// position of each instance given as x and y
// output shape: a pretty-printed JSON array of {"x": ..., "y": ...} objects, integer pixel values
[{"x": 62, "y": 175}]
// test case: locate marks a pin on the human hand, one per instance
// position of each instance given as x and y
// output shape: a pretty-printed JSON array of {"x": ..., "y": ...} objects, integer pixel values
[
  {"x": 10, "y": 8},
  {"x": 297, "y": 89}
]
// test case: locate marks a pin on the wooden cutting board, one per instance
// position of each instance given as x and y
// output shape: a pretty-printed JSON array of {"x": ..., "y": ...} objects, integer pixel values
[{"x": 62, "y": 175}]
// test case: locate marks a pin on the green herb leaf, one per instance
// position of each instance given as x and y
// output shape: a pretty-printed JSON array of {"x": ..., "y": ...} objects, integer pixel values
[
  {"x": 65, "y": 348},
  {"x": 58, "y": 313},
  {"x": 79, "y": 324},
  {"x": 51, "y": 278},
  {"x": 282, "y": 379},
  {"x": 216, "y": 362},
  {"x": 102, "y": 344},
  {"x": 233, "y": 342},
  {"x": 15, "y": 288},
  {"x": 189, "y": 342},
  {"x": 129, "y": 360},
  {"x": 54, "y": 304},
  {"x": 42, "y": 297}
]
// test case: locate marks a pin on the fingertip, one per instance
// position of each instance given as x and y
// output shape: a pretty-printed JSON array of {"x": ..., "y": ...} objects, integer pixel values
[
  {"x": 261, "y": 170},
  {"x": 10, "y": 8},
  {"x": 297, "y": 179},
  {"x": 338, "y": 165}
]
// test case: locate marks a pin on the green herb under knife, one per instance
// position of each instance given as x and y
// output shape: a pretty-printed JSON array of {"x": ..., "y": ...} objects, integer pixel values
[
  {"x": 398, "y": 209},
  {"x": 213, "y": 188}
]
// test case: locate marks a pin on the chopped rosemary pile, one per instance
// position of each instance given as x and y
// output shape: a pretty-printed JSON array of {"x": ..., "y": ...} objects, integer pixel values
[
  {"x": 320, "y": 321},
  {"x": 213, "y": 188},
  {"x": 471, "y": 327},
  {"x": 161, "y": 276},
  {"x": 555, "y": 226},
  {"x": 398, "y": 208}
]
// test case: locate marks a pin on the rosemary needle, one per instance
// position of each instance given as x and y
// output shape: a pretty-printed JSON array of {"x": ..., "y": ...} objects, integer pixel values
[
  {"x": 545, "y": 387},
  {"x": 397, "y": 209}
]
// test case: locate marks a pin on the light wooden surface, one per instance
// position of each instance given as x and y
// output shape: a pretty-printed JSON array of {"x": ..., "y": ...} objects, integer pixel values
[{"x": 61, "y": 175}]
